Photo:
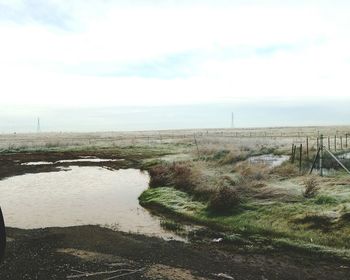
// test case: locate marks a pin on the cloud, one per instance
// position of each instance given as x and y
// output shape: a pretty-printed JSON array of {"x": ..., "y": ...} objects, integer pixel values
[
  {"x": 48, "y": 13},
  {"x": 165, "y": 52}
]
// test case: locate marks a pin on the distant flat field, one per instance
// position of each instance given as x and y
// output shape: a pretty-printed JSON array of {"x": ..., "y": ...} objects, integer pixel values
[{"x": 282, "y": 136}]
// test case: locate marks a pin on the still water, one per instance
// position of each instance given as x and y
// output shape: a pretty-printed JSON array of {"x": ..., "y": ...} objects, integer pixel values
[
  {"x": 270, "y": 160},
  {"x": 80, "y": 196}
]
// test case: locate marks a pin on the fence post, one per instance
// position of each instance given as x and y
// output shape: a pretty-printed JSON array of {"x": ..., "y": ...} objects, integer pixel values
[
  {"x": 341, "y": 142},
  {"x": 292, "y": 156},
  {"x": 317, "y": 143},
  {"x": 329, "y": 143},
  {"x": 195, "y": 141},
  {"x": 307, "y": 147},
  {"x": 300, "y": 156},
  {"x": 346, "y": 140},
  {"x": 321, "y": 155},
  {"x": 335, "y": 143}
]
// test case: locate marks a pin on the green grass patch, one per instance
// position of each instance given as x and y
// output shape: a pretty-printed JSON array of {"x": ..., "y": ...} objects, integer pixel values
[
  {"x": 171, "y": 225},
  {"x": 325, "y": 199},
  {"x": 274, "y": 221}
]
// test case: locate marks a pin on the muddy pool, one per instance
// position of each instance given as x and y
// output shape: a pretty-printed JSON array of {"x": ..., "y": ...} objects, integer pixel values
[{"x": 80, "y": 196}]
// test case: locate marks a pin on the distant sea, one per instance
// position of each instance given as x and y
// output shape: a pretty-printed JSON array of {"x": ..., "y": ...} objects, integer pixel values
[{"x": 128, "y": 118}]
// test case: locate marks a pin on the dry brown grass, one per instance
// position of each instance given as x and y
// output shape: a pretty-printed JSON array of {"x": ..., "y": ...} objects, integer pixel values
[
  {"x": 224, "y": 199},
  {"x": 252, "y": 172},
  {"x": 311, "y": 187},
  {"x": 181, "y": 175},
  {"x": 286, "y": 170},
  {"x": 233, "y": 157}
]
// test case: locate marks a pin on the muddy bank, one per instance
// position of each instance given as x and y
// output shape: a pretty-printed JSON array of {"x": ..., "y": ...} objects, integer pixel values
[
  {"x": 57, "y": 253},
  {"x": 17, "y": 163}
]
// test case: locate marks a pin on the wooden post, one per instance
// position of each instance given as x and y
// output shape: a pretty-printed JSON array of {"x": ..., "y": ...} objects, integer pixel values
[
  {"x": 335, "y": 143},
  {"x": 341, "y": 142},
  {"x": 317, "y": 143},
  {"x": 292, "y": 156},
  {"x": 307, "y": 147},
  {"x": 195, "y": 141},
  {"x": 314, "y": 162},
  {"x": 329, "y": 143},
  {"x": 321, "y": 155},
  {"x": 300, "y": 156},
  {"x": 346, "y": 140}
]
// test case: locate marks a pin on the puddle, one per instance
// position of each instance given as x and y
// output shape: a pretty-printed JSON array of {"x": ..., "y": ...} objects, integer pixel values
[
  {"x": 325, "y": 171},
  {"x": 80, "y": 196},
  {"x": 344, "y": 156},
  {"x": 270, "y": 160},
  {"x": 37, "y": 163},
  {"x": 86, "y": 159}
]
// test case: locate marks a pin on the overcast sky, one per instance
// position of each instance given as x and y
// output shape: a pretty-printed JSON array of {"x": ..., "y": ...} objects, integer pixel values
[{"x": 157, "y": 52}]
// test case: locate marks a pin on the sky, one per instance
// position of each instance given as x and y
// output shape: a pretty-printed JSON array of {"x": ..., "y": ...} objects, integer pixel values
[{"x": 66, "y": 56}]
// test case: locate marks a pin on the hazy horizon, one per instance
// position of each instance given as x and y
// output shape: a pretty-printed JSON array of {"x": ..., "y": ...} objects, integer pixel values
[{"x": 127, "y": 118}]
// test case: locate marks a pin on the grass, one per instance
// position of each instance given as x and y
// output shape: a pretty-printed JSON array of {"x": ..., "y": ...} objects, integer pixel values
[
  {"x": 305, "y": 224},
  {"x": 311, "y": 187},
  {"x": 325, "y": 199},
  {"x": 171, "y": 225},
  {"x": 226, "y": 193}
]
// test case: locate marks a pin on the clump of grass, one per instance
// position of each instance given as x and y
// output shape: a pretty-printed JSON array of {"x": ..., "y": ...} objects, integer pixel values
[
  {"x": 232, "y": 157},
  {"x": 224, "y": 200},
  {"x": 250, "y": 172},
  {"x": 313, "y": 221},
  {"x": 345, "y": 217},
  {"x": 159, "y": 176},
  {"x": 286, "y": 170},
  {"x": 171, "y": 225},
  {"x": 182, "y": 176},
  {"x": 325, "y": 199},
  {"x": 311, "y": 187},
  {"x": 219, "y": 155}
]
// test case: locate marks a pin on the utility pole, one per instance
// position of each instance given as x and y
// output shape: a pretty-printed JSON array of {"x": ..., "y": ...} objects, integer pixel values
[
  {"x": 232, "y": 120},
  {"x": 38, "y": 126}
]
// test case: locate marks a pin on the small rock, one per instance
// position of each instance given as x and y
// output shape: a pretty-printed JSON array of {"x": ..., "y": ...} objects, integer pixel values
[
  {"x": 224, "y": 276},
  {"x": 217, "y": 240}
]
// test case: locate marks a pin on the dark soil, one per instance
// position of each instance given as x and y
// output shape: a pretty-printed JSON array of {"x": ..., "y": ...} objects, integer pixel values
[
  {"x": 56, "y": 253},
  {"x": 11, "y": 163}
]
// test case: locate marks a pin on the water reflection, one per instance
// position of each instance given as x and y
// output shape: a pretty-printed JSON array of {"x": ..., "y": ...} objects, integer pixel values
[{"x": 80, "y": 196}]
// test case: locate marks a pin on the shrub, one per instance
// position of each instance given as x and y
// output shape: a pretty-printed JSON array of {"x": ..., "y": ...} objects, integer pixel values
[
  {"x": 182, "y": 176},
  {"x": 311, "y": 187},
  {"x": 224, "y": 199},
  {"x": 179, "y": 175},
  {"x": 159, "y": 176}
]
